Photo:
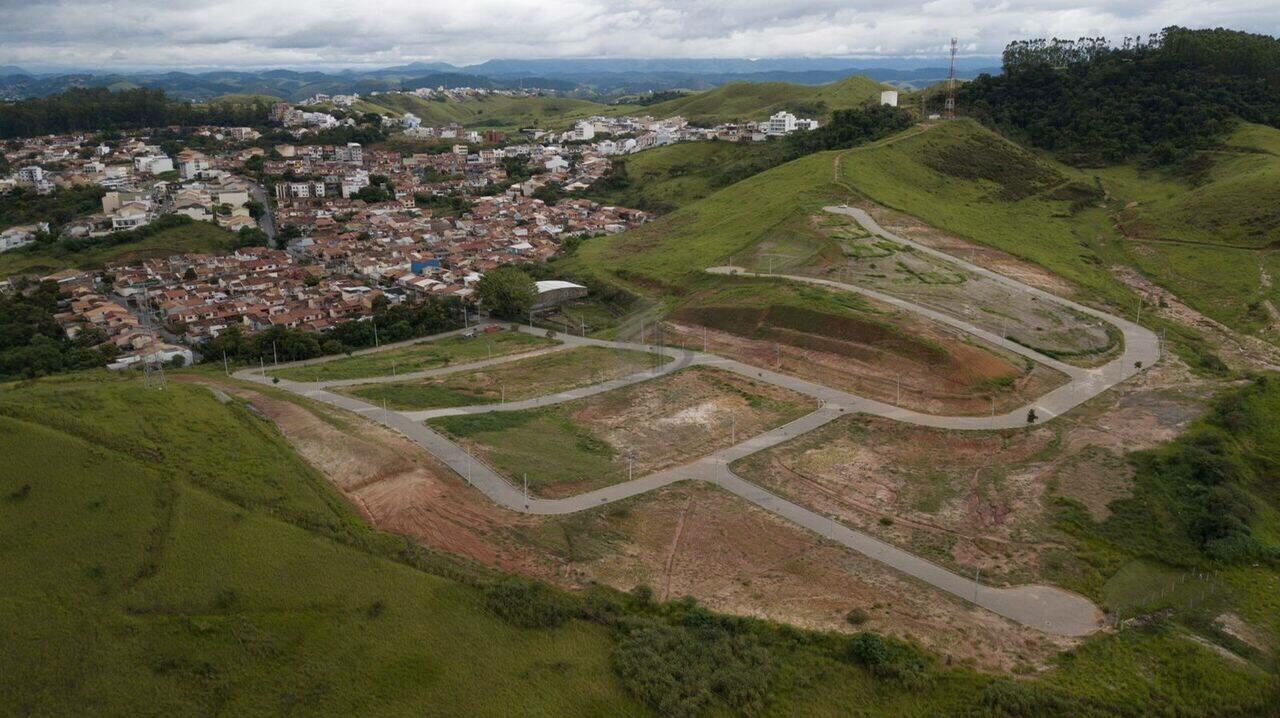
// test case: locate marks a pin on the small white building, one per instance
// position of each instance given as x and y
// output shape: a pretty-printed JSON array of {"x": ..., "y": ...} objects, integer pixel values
[
  {"x": 889, "y": 97},
  {"x": 555, "y": 291}
]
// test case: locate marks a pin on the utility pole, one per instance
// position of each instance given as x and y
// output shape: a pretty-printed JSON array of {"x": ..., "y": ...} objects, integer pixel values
[
  {"x": 262, "y": 366},
  {"x": 951, "y": 85},
  {"x": 275, "y": 358},
  {"x": 526, "y": 490},
  {"x": 899, "y": 382},
  {"x": 733, "y": 430},
  {"x": 375, "y": 333},
  {"x": 225, "y": 369}
]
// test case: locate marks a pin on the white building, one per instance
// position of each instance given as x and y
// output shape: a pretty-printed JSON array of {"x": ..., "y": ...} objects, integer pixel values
[
  {"x": 15, "y": 237},
  {"x": 889, "y": 97},
  {"x": 34, "y": 173},
  {"x": 584, "y": 130},
  {"x": 781, "y": 123},
  {"x": 152, "y": 164}
]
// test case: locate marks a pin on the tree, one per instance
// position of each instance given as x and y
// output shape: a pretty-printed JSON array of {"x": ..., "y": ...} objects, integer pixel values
[
  {"x": 1031, "y": 416},
  {"x": 507, "y": 292}
]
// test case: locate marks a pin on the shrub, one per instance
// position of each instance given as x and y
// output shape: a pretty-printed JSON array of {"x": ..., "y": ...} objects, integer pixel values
[
  {"x": 528, "y": 604},
  {"x": 680, "y": 670},
  {"x": 857, "y": 617}
]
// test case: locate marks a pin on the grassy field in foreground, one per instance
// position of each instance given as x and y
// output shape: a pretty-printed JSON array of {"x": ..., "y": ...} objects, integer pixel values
[
  {"x": 176, "y": 558},
  {"x": 521, "y": 379},
  {"x": 417, "y": 357},
  {"x": 193, "y": 237}
]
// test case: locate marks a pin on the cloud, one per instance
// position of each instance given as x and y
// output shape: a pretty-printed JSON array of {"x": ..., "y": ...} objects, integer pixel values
[{"x": 328, "y": 33}]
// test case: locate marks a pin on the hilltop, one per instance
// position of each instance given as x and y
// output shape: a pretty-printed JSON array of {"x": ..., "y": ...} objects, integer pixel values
[
  {"x": 497, "y": 111},
  {"x": 741, "y": 101}
]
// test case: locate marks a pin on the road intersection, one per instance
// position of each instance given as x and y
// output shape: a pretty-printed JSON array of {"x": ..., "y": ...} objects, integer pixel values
[{"x": 1046, "y": 608}]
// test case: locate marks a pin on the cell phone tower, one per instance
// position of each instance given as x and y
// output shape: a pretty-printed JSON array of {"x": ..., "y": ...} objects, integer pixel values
[
  {"x": 950, "y": 112},
  {"x": 151, "y": 377}
]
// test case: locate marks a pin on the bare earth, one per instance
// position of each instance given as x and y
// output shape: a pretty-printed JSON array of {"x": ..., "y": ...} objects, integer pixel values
[{"x": 729, "y": 555}]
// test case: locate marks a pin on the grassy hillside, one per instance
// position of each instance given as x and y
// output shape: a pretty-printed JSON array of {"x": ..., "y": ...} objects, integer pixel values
[
  {"x": 245, "y": 99},
  {"x": 968, "y": 180},
  {"x": 740, "y": 101},
  {"x": 177, "y": 558},
  {"x": 171, "y": 555},
  {"x": 493, "y": 111},
  {"x": 668, "y": 255},
  {"x": 669, "y": 177},
  {"x": 44, "y": 259}
]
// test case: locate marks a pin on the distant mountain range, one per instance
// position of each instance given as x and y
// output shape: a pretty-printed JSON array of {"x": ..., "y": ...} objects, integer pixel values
[{"x": 596, "y": 78}]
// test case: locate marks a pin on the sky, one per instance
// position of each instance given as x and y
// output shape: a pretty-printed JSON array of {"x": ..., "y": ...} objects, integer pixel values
[{"x": 142, "y": 34}]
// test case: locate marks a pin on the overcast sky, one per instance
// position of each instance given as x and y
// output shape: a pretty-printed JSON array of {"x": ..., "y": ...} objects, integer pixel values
[{"x": 329, "y": 33}]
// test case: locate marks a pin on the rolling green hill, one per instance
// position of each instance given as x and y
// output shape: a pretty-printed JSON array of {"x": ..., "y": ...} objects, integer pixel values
[
  {"x": 491, "y": 111},
  {"x": 669, "y": 177},
  {"x": 245, "y": 99},
  {"x": 736, "y": 101},
  {"x": 740, "y": 101},
  {"x": 171, "y": 555},
  {"x": 668, "y": 255},
  {"x": 966, "y": 179},
  {"x": 177, "y": 558}
]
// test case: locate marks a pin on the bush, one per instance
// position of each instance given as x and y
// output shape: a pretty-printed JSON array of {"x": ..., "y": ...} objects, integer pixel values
[
  {"x": 528, "y": 604},
  {"x": 679, "y": 670},
  {"x": 856, "y": 617},
  {"x": 887, "y": 658}
]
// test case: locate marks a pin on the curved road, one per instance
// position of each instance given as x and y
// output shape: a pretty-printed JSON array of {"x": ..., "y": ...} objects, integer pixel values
[{"x": 1046, "y": 608}]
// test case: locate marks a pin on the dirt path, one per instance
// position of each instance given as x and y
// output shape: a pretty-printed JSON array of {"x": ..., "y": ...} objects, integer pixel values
[{"x": 667, "y": 569}]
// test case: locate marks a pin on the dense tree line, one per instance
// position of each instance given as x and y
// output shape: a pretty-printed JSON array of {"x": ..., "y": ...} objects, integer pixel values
[
  {"x": 33, "y": 344},
  {"x": 389, "y": 323},
  {"x": 1092, "y": 103},
  {"x": 97, "y": 108},
  {"x": 21, "y": 205}
]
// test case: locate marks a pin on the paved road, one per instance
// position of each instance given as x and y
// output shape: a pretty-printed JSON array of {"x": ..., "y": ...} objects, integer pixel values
[{"x": 1047, "y": 608}]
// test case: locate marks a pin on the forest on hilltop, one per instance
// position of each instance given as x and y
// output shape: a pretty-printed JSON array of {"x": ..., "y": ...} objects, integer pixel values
[{"x": 1158, "y": 99}]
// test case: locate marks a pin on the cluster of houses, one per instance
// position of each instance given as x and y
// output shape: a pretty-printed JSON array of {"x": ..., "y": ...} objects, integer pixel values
[
  {"x": 141, "y": 182},
  {"x": 112, "y": 323}
]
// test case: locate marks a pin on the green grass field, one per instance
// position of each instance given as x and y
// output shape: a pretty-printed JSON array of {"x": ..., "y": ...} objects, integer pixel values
[
  {"x": 740, "y": 101},
  {"x": 518, "y": 380},
  {"x": 998, "y": 194},
  {"x": 670, "y": 254},
  {"x": 168, "y": 554},
  {"x": 417, "y": 357},
  {"x": 177, "y": 558},
  {"x": 193, "y": 237},
  {"x": 666, "y": 178},
  {"x": 496, "y": 111},
  {"x": 582, "y": 445}
]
